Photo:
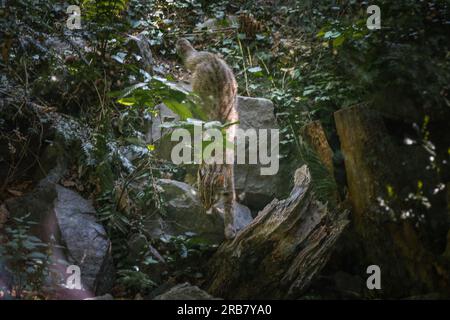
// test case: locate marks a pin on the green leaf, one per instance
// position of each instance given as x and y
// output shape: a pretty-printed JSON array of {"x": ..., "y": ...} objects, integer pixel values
[
  {"x": 338, "y": 41},
  {"x": 129, "y": 90},
  {"x": 179, "y": 108},
  {"x": 129, "y": 101}
]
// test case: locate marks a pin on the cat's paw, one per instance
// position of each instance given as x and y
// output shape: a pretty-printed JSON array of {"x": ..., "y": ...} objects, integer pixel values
[{"x": 230, "y": 232}]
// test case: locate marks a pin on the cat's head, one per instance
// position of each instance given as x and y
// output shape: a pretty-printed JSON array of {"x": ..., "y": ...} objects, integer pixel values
[{"x": 183, "y": 47}]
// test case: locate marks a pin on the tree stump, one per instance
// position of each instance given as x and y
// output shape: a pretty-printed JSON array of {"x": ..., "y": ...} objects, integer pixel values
[{"x": 281, "y": 251}]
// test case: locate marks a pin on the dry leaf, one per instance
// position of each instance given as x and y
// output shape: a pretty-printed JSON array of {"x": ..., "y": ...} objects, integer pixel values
[{"x": 68, "y": 183}]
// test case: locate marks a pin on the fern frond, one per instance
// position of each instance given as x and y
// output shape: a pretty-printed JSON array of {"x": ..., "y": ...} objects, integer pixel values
[{"x": 323, "y": 182}]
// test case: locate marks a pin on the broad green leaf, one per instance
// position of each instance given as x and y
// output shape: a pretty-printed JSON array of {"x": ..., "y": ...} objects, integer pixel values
[
  {"x": 130, "y": 89},
  {"x": 178, "y": 107},
  {"x": 129, "y": 101}
]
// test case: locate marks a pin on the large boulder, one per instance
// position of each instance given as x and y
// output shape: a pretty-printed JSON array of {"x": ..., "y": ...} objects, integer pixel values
[
  {"x": 256, "y": 190},
  {"x": 64, "y": 216},
  {"x": 86, "y": 240},
  {"x": 184, "y": 213}
]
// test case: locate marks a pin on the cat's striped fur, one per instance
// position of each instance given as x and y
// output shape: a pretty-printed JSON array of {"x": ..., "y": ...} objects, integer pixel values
[{"x": 214, "y": 82}]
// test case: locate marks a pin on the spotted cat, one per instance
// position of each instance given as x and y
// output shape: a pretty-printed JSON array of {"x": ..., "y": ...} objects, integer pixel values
[{"x": 214, "y": 82}]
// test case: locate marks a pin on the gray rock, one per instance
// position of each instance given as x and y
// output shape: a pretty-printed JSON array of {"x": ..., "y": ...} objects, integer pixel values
[
  {"x": 242, "y": 215},
  {"x": 256, "y": 113},
  {"x": 145, "y": 52},
  {"x": 64, "y": 217},
  {"x": 185, "y": 291},
  {"x": 86, "y": 241},
  {"x": 155, "y": 132},
  {"x": 184, "y": 213},
  {"x": 256, "y": 190}
]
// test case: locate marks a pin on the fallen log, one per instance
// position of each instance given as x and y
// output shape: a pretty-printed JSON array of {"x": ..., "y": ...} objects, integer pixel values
[{"x": 278, "y": 255}]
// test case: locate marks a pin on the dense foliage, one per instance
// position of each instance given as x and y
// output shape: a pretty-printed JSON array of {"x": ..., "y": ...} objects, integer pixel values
[{"x": 311, "y": 58}]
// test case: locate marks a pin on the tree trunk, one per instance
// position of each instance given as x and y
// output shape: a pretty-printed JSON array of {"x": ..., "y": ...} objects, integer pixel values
[
  {"x": 377, "y": 171},
  {"x": 281, "y": 251},
  {"x": 316, "y": 138}
]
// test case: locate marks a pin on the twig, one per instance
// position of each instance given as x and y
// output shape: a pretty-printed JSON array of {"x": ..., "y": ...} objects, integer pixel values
[
  {"x": 209, "y": 31},
  {"x": 245, "y": 67}
]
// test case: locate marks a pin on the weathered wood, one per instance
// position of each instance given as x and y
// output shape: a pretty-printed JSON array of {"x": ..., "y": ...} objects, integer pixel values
[
  {"x": 363, "y": 138},
  {"x": 281, "y": 251},
  {"x": 316, "y": 138}
]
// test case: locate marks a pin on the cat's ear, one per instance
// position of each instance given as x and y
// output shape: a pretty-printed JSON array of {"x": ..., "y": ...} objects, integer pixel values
[{"x": 183, "y": 45}]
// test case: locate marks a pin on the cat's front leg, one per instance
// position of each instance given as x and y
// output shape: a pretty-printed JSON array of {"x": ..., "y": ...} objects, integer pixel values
[{"x": 228, "y": 202}]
